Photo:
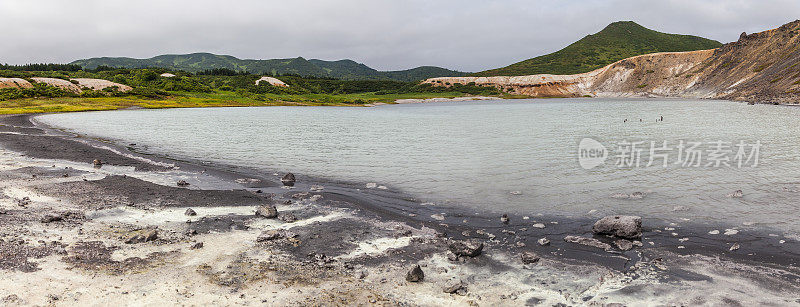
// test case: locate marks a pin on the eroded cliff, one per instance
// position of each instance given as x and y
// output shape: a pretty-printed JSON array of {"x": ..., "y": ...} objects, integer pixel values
[{"x": 760, "y": 67}]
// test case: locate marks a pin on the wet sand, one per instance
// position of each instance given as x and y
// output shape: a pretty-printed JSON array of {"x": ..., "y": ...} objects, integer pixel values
[{"x": 72, "y": 233}]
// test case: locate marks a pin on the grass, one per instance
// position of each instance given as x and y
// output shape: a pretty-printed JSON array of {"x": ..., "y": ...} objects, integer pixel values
[
  {"x": 204, "y": 100},
  {"x": 761, "y": 67},
  {"x": 641, "y": 86},
  {"x": 617, "y": 41}
]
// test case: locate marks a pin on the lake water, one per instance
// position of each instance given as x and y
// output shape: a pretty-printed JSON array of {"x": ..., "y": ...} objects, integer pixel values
[{"x": 517, "y": 156}]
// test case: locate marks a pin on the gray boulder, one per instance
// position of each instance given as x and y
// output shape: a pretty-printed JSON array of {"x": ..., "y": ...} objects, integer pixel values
[
  {"x": 267, "y": 211},
  {"x": 623, "y": 226},
  {"x": 468, "y": 248},
  {"x": 415, "y": 275},
  {"x": 529, "y": 258},
  {"x": 288, "y": 179}
]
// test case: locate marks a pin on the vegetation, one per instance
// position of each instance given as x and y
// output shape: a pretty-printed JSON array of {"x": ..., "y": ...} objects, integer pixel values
[
  {"x": 204, "y": 62},
  {"x": 617, "y": 41},
  {"x": 215, "y": 87}
]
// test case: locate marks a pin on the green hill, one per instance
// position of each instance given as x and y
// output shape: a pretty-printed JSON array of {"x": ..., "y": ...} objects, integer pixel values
[
  {"x": 342, "y": 69},
  {"x": 619, "y": 40}
]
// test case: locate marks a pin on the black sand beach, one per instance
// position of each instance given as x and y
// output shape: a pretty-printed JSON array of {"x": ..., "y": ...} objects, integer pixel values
[{"x": 122, "y": 228}]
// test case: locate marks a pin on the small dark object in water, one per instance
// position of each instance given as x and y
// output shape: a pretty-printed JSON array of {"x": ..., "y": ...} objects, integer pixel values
[
  {"x": 182, "y": 183},
  {"x": 288, "y": 179},
  {"x": 415, "y": 275},
  {"x": 505, "y": 219},
  {"x": 97, "y": 163},
  {"x": 190, "y": 212}
]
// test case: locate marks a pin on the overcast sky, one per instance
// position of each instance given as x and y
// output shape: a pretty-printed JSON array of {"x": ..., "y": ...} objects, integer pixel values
[{"x": 467, "y": 35}]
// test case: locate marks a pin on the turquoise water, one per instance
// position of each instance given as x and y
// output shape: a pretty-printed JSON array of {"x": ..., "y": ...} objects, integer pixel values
[{"x": 507, "y": 156}]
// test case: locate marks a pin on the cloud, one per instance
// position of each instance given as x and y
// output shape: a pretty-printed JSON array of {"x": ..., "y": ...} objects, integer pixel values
[{"x": 469, "y": 35}]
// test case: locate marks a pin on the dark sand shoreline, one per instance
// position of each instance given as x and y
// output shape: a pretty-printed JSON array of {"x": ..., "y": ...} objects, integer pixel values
[{"x": 372, "y": 210}]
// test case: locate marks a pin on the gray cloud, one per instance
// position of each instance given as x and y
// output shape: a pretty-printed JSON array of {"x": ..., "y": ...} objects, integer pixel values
[{"x": 469, "y": 35}]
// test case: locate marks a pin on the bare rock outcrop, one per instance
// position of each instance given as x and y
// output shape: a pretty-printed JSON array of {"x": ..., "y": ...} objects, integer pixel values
[{"x": 759, "y": 67}]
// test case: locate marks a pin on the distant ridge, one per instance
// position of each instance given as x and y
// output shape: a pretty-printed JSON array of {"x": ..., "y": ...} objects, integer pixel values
[
  {"x": 617, "y": 41},
  {"x": 341, "y": 69}
]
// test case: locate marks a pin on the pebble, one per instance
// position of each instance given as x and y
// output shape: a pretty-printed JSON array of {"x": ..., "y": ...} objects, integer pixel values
[
  {"x": 729, "y": 232},
  {"x": 544, "y": 242},
  {"x": 735, "y": 246}
]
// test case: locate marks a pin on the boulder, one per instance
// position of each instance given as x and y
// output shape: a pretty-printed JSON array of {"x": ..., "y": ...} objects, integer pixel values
[
  {"x": 190, "y": 212},
  {"x": 287, "y": 217},
  {"x": 457, "y": 287},
  {"x": 51, "y": 218},
  {"x": 467, "y": 248},
  {"x": 623, "y": 226},
  {"x": 142, "y": 236},
  {"x": 288, "y": 179},
  {"x": 415, "y": 275},
  {"x": 267, "y": 211},
  {"x": 623, "y": 244},
  {"x": 529, "y": 258}
]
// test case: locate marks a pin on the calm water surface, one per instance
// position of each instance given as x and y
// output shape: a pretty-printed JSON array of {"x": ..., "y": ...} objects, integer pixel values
[{"x": 479, "y": 154}]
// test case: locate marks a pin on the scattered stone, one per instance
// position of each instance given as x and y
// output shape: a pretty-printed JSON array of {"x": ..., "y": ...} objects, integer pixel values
[
  {"x": 735, "y": 246},
  {"x": 24, "y": 201},
  {"x": 275, "y": 234},
  {"x": 300, "y": 195},
  {"x": 197, "y": 245},
  {"x": 372, "y": 185},
  {"x": 730, "y": 232},
  {"x": 267, "y": 211},
  {"x": 97, "y": 163},
  {"x": 287, "y": 217},
  {"x": 457, "y": 287},
  {"x": 315, "y": 197},
  {"x": 623, "y": 244},
  {"x": 519, "y": 244},
  {"x": 52, "y": 218},
  {"x": 714, "y": 232},
  {"x": 516, "y": 192},
  {"x": 467, "y": 248},
  {"x": 182, "y": 183},
  {"x": 623, "y": 226},
  {"x": 544, "y": 242},
  {"x": 382, "y": 187},
  {"x": 592, "y": 242},
  {"x": 415, "y": 275},
  {"x": 736, "y": 194},
  {"x": 438, "y": 217},
  {"x": 529, "y": 258},
  {"x": 505, "y": 219},
  {"x": 538, "y": 225},
  {"x": 142, "y": 236},
  {"x": 190, "y": 212},
  {"x": 288, "y": 179},
  {"x": 316, "y": 188}
]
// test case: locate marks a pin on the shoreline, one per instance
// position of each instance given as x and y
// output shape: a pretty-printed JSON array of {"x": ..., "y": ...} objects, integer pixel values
[{"x": 347, "y": 232}]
